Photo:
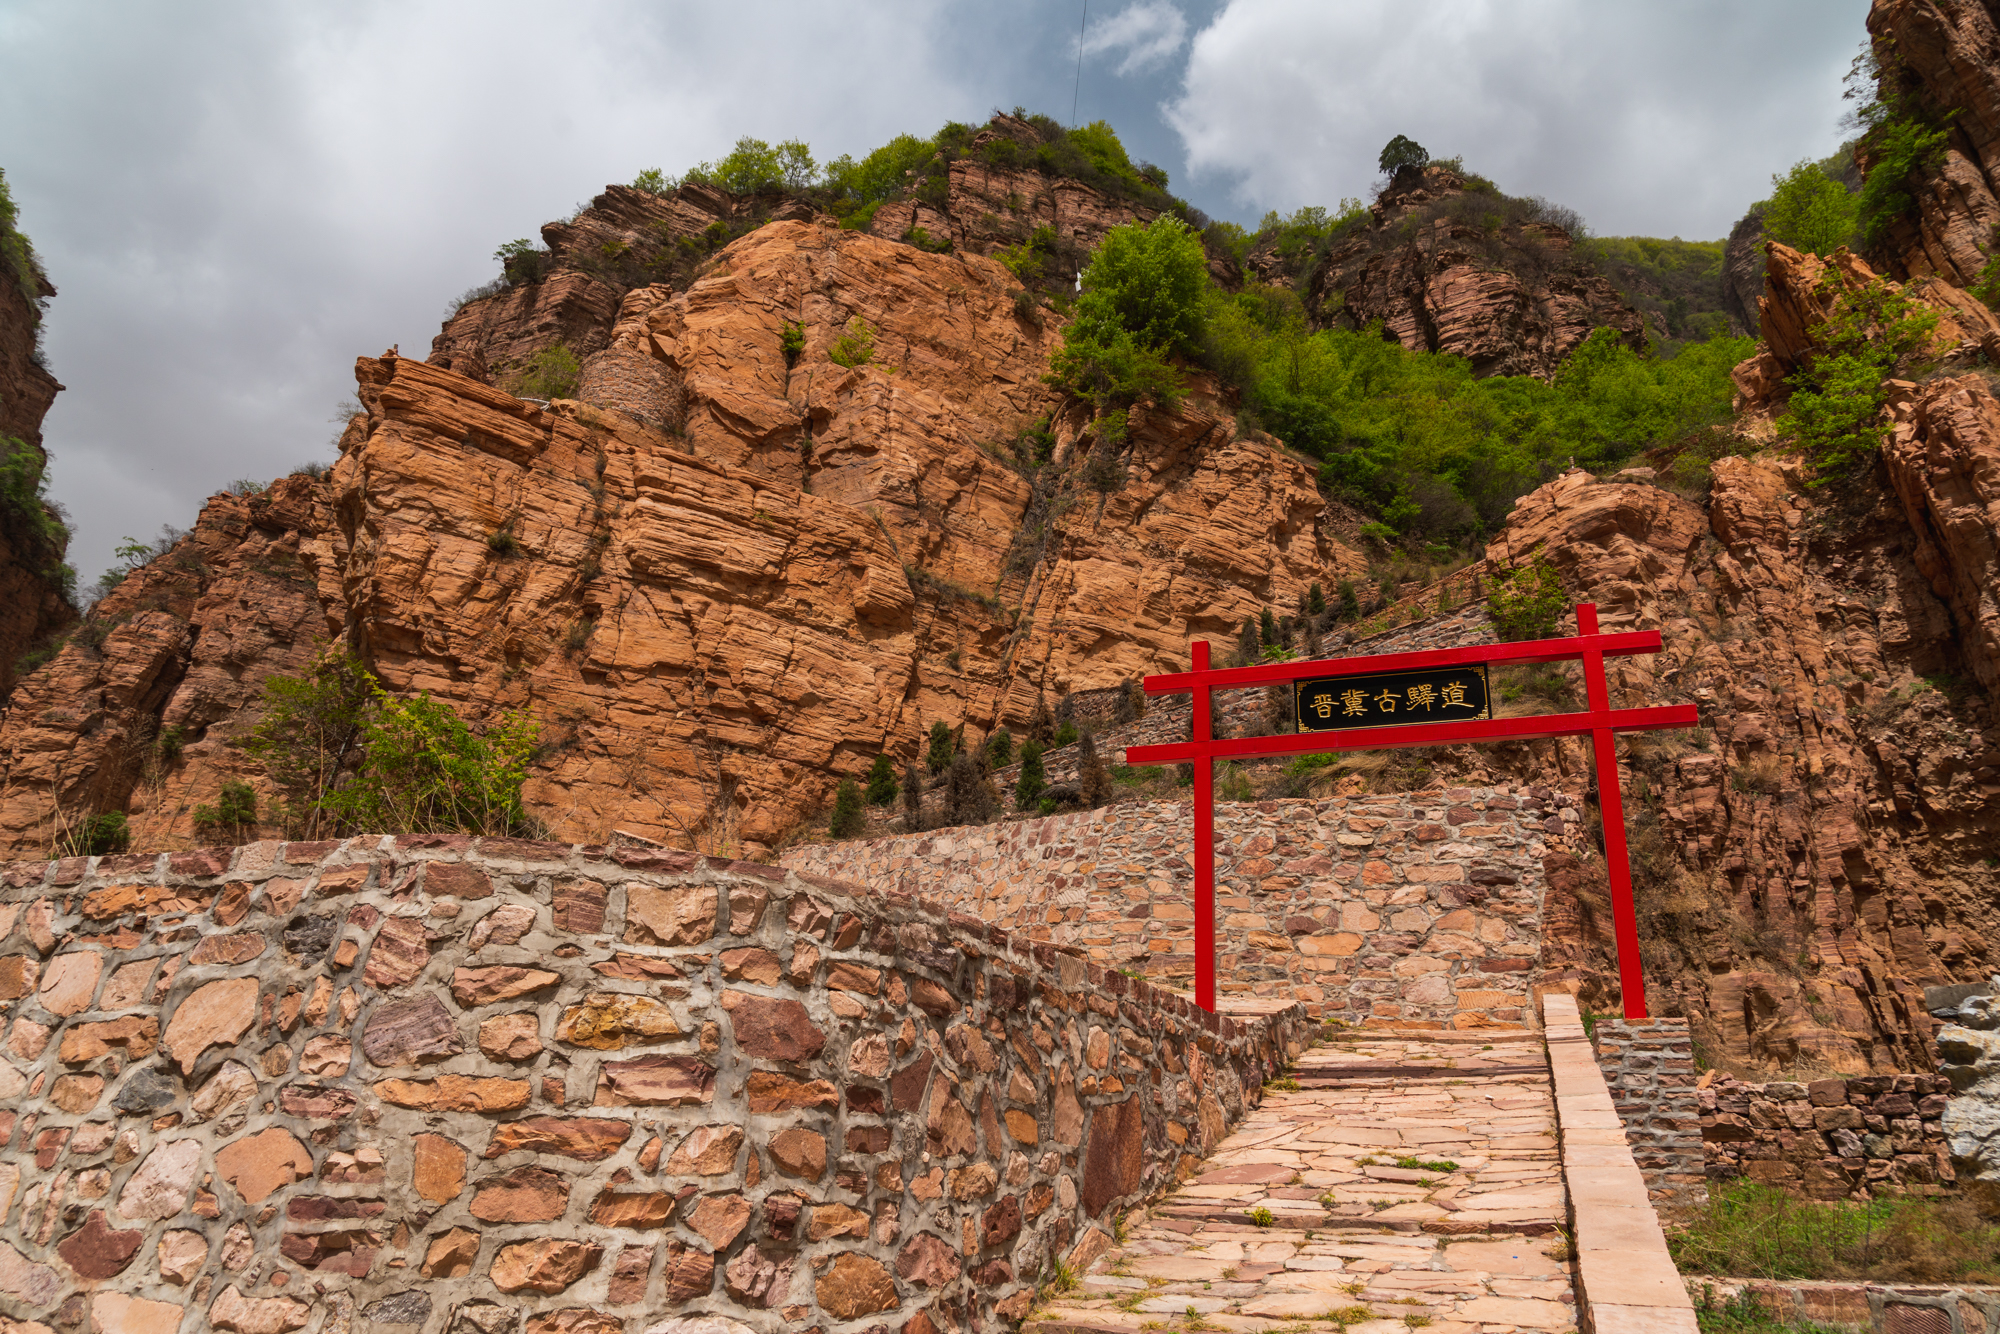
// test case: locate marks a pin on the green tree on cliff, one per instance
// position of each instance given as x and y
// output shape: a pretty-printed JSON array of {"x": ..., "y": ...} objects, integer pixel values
[
  {"x": 1810, "y": 211},
  {"x": 1400, "y": 153},
  {"x": 882, "y": 782},
  {"x": 937, "y": 758},
  {"x": 848, "y": 817},
  {"x": 1028, "y": 786}
]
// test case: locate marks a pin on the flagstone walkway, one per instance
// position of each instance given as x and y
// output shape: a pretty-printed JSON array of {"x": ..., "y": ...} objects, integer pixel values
[{"x": 1410, "y": 1181}]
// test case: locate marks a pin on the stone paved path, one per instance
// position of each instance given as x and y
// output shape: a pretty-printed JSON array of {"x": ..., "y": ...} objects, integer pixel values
[{"x": 1410, "y": 1181}]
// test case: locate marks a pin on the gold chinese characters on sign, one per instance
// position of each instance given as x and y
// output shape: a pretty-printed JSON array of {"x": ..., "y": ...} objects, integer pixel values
[{"x": 1392, "y": 699}]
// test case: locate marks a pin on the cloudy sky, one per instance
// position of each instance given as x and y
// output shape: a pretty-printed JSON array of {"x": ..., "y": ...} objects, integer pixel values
[{"x": 237, "y": 199}]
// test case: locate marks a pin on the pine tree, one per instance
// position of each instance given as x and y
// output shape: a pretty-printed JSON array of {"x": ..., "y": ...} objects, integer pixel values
[
  {"x": 1041, "y": 723},
  {"x": 1350, "y": 601},
  {"x": 1028, "y": 787},
  {"x": 1000, "y": 748},
  {"x": 1092, "y": 779},
  {"x": 848, "y": 819},
  {"x": 967, "y": 794},
  {"x": 938, "y": 758},
  {"x": 1316, "y": 600},
  {"x": 1267, "y": 628},
  {"x": 1246, "y": 642},
  {"x": 882, "y": 782},
  {"x": 913, "y": 799}
]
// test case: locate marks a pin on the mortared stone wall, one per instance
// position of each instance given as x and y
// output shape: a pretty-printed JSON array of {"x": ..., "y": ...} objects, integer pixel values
[
  {"x": 447, "y": 1086},
  {"x": 1403, "y": 909}
]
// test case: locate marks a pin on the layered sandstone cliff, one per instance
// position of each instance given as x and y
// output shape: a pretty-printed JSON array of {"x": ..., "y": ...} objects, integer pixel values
[
  {"x": 1447, "y": 269},
  {"x": 1944, "y": 58},
  {"x": 732, "y": 578},
  {"x": 1826, "y": 846},
  {"x": 628, "y": 239}
]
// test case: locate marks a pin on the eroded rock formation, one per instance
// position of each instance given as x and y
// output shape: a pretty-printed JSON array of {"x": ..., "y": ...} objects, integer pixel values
[
  {"x": 713, "y": 624},
  {"x": 1445, "y": 272},
  {"x": 1945, "y": 57}
]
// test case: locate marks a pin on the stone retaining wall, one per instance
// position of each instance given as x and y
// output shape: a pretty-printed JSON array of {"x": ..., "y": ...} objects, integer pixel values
[
  {"x": 1405, "y": 909},
  {"x": 1648, "y": 1065},
  {"x": 1832, "y": 1137},
  {"x": 448, "y": 1087}
]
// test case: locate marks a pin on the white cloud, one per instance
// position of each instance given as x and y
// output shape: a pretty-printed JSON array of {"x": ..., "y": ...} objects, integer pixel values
[
  {"x": 1649, "y": 119},
  {"x": 1146, "y": 33}
]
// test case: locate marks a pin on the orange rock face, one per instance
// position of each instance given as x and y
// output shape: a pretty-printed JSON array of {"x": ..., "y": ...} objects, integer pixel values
[
  {"x": 1949, "y": 61},
  {"x": 712, "y": 626},
  {"x": 1811, "y": 858},
  {"x": 1512, "y": 301}
]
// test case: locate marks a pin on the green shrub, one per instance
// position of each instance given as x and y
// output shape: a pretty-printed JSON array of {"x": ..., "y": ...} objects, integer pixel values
[
  {"x": 502, "y": 542},
  {"x": 1065, "y": 735},
  {"x": 1809, "y": 210},
  {"x": 1000, "y": 749},
  {"x": 913, "y": 797},
  {"x": 942, "y": 745},
  {"x": 554, "y": 372},
  {"x": 234, "y": 813},
  {"x": 425, "y": 772},
  {"x": 1871, "y": 334},
  {"x": 98, "y": 836},
  {"x": 848, "y": 817},
  {"x": 855, "y": 346},
  {"x": 792, "y": 341},
  {"x": 17, "y": 255},
  {"x": 754, "y": 165},
  {"x": 1901, "y": 150},
  {"x": 521, "y": 263},
  {"x": 923, "y": 240},
  {"x": 1029, "y": 783},
  {"x": 1150, "y": 281},
  {"x": 1750, "y": 1230},
  {"x": 29, "y": 518},
  {"x": 881, "y": 782},
  {"x": 1527, "y": 602},
  {"x": 653, "y": 181}
]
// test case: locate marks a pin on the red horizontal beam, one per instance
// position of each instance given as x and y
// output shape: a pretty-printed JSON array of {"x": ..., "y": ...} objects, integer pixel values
[
  {"x": 1532, "y": 650},
  {"x": 1419, "y": 734}
]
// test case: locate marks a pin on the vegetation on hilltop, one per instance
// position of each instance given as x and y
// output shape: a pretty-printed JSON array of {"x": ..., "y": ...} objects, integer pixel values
[
  {"x": 1675, "y": 284},
  {"x": 1437, "y": 455},
  {"x": 908, "y": 166}
]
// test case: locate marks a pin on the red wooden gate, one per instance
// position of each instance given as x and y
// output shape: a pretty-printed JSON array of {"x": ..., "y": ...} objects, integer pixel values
[{"x": 1600, "y": 720}]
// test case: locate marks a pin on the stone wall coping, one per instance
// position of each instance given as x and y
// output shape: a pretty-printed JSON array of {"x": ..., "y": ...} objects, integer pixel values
[{"x": 1626, "y": 1281}]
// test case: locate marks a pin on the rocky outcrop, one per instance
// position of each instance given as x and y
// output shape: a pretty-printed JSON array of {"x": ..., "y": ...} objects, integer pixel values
[
  {"x": 627, "y": 239},
  {"x": 1819, "y": 851},
  {"x": 712, "y": 625},
  {"x": 1969, "y": 1049},
  {"x": 1800, "y": 291},
  {"x": 1446, "y": 269},
  {"x": 141, "y": 708},
  {"x": 988, "y": 204},
  {"x": 1945, "y": 59},
  {"x": 1743, "y": 270},
  {"x": 32, "y": 603}
]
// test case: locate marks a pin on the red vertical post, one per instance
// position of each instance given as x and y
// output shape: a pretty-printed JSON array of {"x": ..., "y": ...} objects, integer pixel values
[
  {"x": 1611, "y": 805},
  {"x": 1204, "y": 839}
]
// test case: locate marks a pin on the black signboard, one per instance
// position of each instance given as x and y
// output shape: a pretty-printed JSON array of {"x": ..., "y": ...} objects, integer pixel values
[{"x": 1392, "y": 699}]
